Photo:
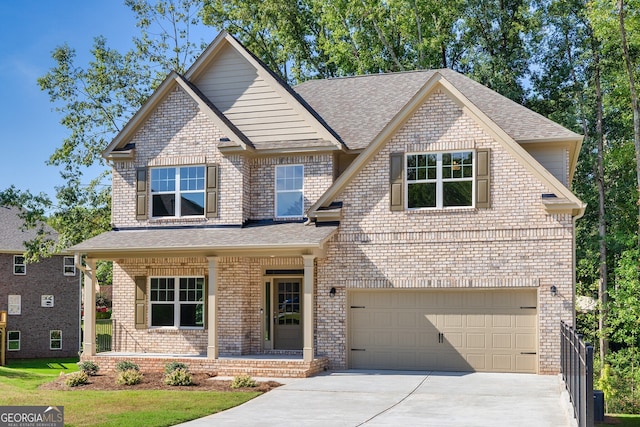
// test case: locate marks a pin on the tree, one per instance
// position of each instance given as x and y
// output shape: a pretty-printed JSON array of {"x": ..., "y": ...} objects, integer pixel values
[{"x": 95, "y": 102}]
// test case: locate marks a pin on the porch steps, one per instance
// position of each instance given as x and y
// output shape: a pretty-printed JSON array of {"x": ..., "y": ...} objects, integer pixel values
[{"x": 254, "y": 366}]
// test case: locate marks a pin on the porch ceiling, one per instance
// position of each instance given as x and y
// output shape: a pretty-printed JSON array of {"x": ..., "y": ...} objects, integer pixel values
[{"x": 285, "y": 239}]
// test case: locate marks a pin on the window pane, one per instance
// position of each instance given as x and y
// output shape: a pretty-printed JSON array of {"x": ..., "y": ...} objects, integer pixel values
[
  {"x": 192, "y": 315},
  {"x": 422, "y": 195},
  {"x": 289, "y": 178},
  {"x": 192, "y": 178},
  {"x": 162, "y": 289},
  {"x": 457, "y": 193},
  {"x": 13, "y": 335},
  {"x": 192, "y": 204},
  {"x": 289, "y": 204},
  {"x": 162, "y": 314},
  {"x": 163, "y": 179},
  {"x": 164, "y": 205}
]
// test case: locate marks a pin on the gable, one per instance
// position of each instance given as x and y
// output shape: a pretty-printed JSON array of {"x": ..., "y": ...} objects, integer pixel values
[
  {"x": 254, "y": 100},
  {"x": 438, "y": 82}
]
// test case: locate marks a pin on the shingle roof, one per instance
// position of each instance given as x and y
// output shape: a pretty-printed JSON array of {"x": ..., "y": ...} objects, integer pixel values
[
  {"x": 285, "y": 235},
  {"x": 358, "y": 108},
  {"x": 12, "y": 237}
]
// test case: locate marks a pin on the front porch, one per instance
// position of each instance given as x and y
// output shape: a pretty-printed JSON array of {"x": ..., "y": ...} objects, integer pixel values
[{"x": 261, "y": 365}]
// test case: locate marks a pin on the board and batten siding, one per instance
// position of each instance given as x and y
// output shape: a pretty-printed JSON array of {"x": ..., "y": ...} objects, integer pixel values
[
  {"x": 554, "y": 159},
  {"x": 251, "y": 103}
]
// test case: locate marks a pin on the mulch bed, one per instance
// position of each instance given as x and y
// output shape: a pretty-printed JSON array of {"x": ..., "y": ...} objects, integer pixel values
[{"x": 155, "y": 381}]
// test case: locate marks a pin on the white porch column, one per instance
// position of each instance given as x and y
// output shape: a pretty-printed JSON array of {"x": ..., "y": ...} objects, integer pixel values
[
  {"x": 90, "y": 284},
  {"x": 212, "y": 309},
  {"x": 308, "y": 307}
]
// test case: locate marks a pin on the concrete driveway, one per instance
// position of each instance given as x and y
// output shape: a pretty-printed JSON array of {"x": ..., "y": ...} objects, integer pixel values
[{"x": 392, "y": 398}]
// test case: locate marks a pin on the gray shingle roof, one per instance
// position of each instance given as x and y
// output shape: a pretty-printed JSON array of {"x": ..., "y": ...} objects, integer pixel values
[
  {"x": 285, "y": 235},
  {"x": 12, "y": 237},
  {"x": 358, "y": 108}
]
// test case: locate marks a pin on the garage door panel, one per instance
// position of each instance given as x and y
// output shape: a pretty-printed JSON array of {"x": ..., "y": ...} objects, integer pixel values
[
  {"x": 501, "y": 341},
  {"x": 525, "y": 321},
  {"x": 444, "y": 330},
  {"x": 478, "y": 361},
  {"x": 476, "y": 341},
  {"x": 502, "y": 363},
  {"x": 408, "y": 339},
  {"x": 502, "y": 321},
  {"x": 525, "y": 342},
  {"x": 476, "y": 321},
  {"x": 383, "y": 319},
  {"x": 525, "y": 363},
  {"x": 453, "y": 321},
  {"x": 407, "y": 319}
]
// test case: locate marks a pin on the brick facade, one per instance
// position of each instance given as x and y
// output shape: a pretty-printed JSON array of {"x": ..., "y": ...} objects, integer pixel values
[
  {"x": 34, "y": 321},
  {"x": 514, "y": 244}
]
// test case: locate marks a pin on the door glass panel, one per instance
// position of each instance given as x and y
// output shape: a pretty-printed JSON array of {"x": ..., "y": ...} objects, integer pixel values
[
  {"x": 289, "y": 303},
  {"x": 267, "y": 311}
]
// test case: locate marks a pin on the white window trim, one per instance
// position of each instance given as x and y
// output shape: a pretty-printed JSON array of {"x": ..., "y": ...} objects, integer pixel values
[
  {"x": 439, "y": 181},
  {"x": 23, "y": 265},
  {"x": 177, "y": 192},
  {"x": 176, "y": 302},
  {"x": 65, "y": 265},
  {"x": 51, "y": 340},
  {"x": 276, "y": 192},
  {"x": 14, "y": 305},
  {"x": 18, "y": 340}
]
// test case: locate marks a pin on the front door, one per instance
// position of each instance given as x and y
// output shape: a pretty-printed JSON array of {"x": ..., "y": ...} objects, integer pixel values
[{"x": 288, "y": 314}]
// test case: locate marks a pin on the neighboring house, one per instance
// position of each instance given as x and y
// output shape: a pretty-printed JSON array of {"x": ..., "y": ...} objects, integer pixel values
[
  {"x": 411, "y": 220},
  {"x": 42, "y": 299}
]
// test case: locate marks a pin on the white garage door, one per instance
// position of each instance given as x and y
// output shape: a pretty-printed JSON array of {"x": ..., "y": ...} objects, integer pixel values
[{"x": 468, "y": 330}]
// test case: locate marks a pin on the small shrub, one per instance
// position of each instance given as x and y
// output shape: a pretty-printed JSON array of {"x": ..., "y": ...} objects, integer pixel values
[
  {"x": 76, "y": 379},
  {"x": 126, "y": 365},
  {"x": 172, "y": 366},
  {"x": 241, "y": 381},
  {"x": 129, "y": 377},
  {"x": 178, "y": 377},
  {"x": 88, "y": 368}
]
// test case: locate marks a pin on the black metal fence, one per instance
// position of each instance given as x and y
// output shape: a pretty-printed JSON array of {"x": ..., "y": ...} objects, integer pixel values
[
  {"x": 576, "y": 361},
  {"x": 104, "y": 335}
]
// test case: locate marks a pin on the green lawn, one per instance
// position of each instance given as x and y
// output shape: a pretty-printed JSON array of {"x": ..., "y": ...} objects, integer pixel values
[
  {"x": 621, "y": 420},
  {"x": 19, "y": 383}
]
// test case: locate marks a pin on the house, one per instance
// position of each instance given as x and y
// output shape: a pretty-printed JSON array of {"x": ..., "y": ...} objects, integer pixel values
[
  {"x": 412, "y": 220},
  {"x": 41, "y": 301}
]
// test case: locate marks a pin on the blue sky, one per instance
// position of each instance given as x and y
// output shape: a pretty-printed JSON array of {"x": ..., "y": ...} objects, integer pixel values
[{"x": 31, "y": 29}]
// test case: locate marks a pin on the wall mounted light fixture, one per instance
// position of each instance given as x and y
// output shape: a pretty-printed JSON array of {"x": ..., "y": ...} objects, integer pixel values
[
  {"x": 554, "y": 290},
  {"x": 332, "y": 292}
]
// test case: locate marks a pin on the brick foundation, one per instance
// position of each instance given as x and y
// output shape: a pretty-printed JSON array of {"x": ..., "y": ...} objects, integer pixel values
[{"x": 255, "y": 366}]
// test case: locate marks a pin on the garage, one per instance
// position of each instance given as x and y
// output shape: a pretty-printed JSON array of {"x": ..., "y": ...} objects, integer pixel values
[{"x": 446, "y": 330}]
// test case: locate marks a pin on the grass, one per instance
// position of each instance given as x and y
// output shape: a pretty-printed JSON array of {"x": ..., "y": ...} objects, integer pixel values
[
  {"x": 621, "y": 420},
  {"x": 19, "y": 383}
]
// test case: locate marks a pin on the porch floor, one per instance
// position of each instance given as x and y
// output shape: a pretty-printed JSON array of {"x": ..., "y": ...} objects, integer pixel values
[{"x": 255, "y": 365}]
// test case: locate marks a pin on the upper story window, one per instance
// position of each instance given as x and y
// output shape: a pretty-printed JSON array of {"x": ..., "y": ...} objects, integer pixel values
[
  {"x": 440, "y": 180},
  {"x": 177, "y": 192},
  {"x": 19, "y": 265},
  {"x": 177, "y": 306},
  {"x": 289, "y": 191},
  {"x": 69, "y": 266}
]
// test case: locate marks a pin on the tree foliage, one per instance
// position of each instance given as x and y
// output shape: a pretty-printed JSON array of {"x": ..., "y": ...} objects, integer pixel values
[{"x": 574, "y": 61}]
